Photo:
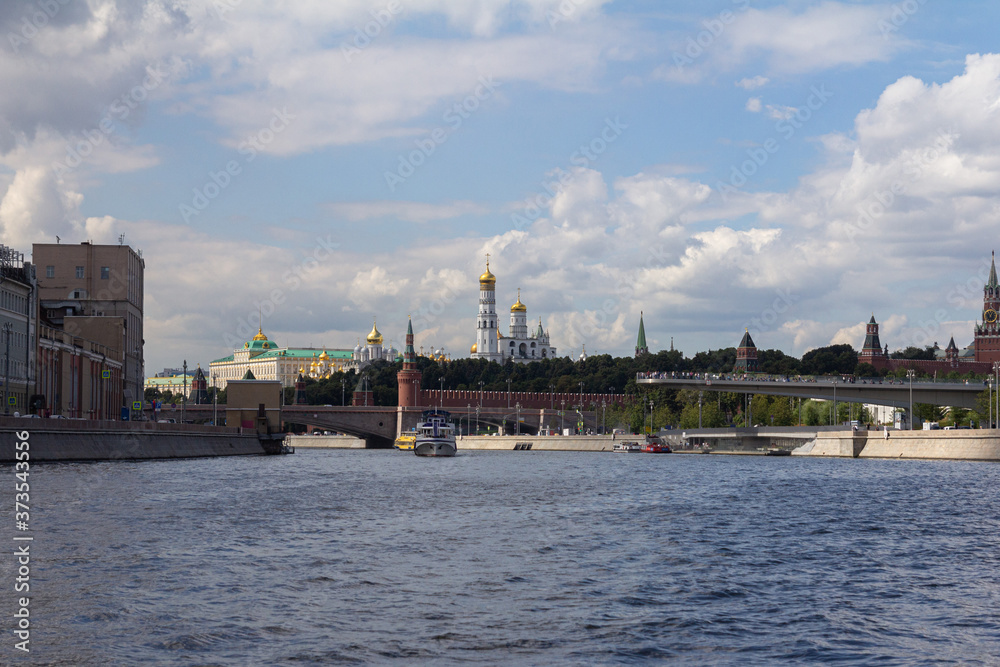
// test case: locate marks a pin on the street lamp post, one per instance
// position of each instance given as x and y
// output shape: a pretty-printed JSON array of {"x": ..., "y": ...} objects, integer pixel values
[
  {"x": 343, "y": 391},
  {"x": 508, "y": 393},
  {"x": 480, "y": 401},
  {"x": 700, "y": 394},
  {"x": 185, "y": 397},
  {"x": 517, "y": 424},
  {"x": 215, "y": 401},
  {"x": 477, "y": 419},
  {"x": 138, "y": 385},
  {"x": 833, "y": 421},
  {"x": 581, "y": 394},
  {"x": 996, "y": 369},
  {"x": 604, "y": 417},
  {"x": 468, "y": 416},
  {"x": 910, "y": 373},
  {"x": 441, "y": 395},
  {"x": 562, "y": 418},
  {"x": 552, "y": 397},
  {"x": 650, "y": 417}
]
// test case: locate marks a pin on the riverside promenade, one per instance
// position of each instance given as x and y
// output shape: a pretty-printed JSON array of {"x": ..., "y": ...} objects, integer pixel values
[{"x": 837, "y": 442}]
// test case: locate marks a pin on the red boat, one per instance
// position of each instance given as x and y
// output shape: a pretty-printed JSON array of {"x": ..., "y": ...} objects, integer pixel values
[{"x": 656, "y": 446}]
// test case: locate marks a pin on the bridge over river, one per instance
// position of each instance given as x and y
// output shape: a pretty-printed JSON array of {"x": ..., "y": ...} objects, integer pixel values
[
  {"x": 874, "y": 391},
  {"x": 378, "y": 424}
]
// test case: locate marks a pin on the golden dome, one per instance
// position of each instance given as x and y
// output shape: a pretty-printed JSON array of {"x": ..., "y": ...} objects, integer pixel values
[
  {"x": 475, "y": 348},
  {"x": 487, "y": 280},
  {"x": 324, "y": 356},
  {"x": 260, "y": 335},
  {"x": 374, "y": 338},
  {"x": 519, "y": 307}
]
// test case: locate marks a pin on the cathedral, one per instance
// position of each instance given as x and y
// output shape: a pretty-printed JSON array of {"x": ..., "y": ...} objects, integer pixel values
[
  {"x": 520, "y": 346},
  {"x": 373, "y": 350}
]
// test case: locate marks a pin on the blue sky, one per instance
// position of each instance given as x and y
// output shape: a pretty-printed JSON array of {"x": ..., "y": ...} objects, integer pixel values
[{"x": 790, "y": 167}]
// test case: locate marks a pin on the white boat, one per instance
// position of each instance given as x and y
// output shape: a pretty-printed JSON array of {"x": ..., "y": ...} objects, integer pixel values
[
  {"x": 627, "y": 447},
  {"x": 435, "y": 435}
]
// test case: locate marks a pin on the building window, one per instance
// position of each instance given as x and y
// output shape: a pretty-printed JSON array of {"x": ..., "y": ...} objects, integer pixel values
[
  {"x": 50, "y": 272},
  {"x": 105, "y": 272},
  {"x": 79, "y": 272}
]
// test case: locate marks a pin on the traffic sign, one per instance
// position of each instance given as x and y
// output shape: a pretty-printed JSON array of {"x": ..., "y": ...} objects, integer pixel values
[
  {"x": 137, "y": 405},
  {"x": 12, "y": 400},
  {"x": 105, "y": 374}
]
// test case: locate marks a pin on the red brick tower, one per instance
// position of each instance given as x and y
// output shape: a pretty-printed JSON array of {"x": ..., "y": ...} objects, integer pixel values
[
  {"x": 409, "y": 377},
  {"x": 987, "y": 334},
  {"x": 746, "y": 355},
  {"x": 872, "y": 352}
]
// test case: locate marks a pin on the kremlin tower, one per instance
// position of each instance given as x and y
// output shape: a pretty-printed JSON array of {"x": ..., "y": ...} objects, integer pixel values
[{"x": 408, "y": 378}]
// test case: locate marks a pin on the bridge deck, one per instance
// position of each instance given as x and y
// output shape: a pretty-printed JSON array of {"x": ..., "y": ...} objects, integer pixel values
[{"x": 861, "y": 391}]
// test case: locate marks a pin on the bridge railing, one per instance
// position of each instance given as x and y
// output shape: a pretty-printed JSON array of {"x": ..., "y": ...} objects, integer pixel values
[{"x": 818, "y": 379}]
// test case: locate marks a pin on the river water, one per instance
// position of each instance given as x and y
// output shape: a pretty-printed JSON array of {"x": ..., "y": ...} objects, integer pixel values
[{"x": 490, "y": 558}]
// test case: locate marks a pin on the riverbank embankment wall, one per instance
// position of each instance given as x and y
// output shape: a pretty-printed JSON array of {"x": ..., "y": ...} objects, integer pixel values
[{"x": 106, "y": 441}]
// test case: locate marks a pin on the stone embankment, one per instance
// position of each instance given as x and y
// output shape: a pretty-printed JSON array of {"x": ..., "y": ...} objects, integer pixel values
[
  {"x": 970, "y": 445},
  {"x": 85, "y": 440}
]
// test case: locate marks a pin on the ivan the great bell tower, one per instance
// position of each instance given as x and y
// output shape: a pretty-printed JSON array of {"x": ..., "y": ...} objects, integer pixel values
[{"x": 987, "y": 337}]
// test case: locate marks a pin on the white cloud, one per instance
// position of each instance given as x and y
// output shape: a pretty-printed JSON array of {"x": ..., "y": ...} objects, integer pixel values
[
  {"x": 753, "y": 104},
  {"x": 753, "y": 83},
  {"x": 784, "y": 42}
]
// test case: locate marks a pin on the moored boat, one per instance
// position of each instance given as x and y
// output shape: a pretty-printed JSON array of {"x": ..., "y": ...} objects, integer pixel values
[
  {"x": 435, "y": 435},
  {"x": 405, "y": 442},
  {"x": 654, "y": 445},
  {"x": 626, "y": 448}
]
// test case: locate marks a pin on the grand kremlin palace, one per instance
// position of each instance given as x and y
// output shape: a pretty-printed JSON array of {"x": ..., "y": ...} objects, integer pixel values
[{"x": 267, "y": 361}]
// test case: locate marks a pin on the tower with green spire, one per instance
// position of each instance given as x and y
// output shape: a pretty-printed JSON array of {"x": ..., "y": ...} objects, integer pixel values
[
  {"x": 640, "y": 342},
  {"x": 408, "y": 379}
]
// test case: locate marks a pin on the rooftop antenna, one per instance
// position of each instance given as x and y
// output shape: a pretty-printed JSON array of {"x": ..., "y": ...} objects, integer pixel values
[
  {"x": 57, "y": 240},
  {"x": 121, "y": 238}
]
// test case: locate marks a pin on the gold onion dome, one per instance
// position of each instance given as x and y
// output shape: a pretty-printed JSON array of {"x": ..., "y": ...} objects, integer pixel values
[
  {"x": 487, "y": 280},
  {"x": 374, "y": 338},
  {"x": 519, "y": 307},
  {"x": 475, "y": 348},
  {"x": 260, "y": 335},
  {"x": 324, "y": 356}
]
